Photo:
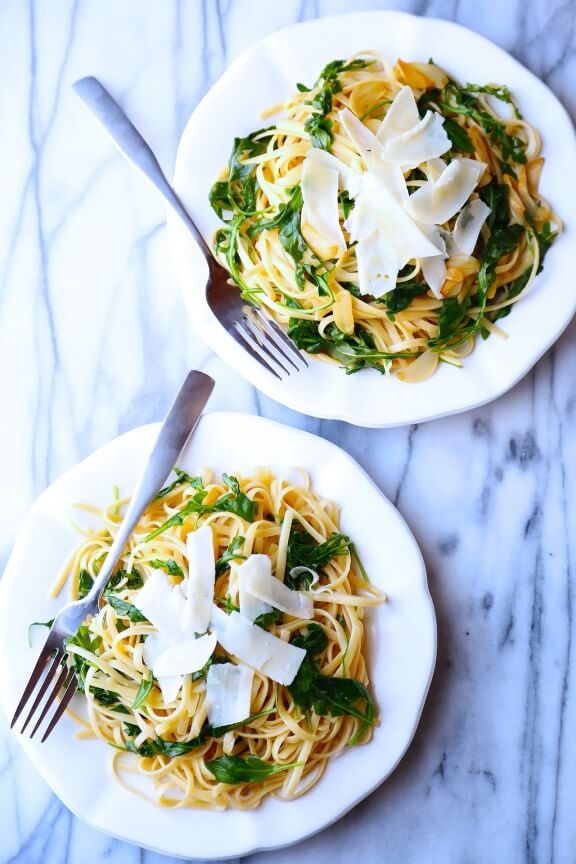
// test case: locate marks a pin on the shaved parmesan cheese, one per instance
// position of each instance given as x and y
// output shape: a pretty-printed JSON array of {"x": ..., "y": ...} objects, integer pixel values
[
  {"x": 348, "y": 179},
  {"x": 363, "y": 139},
  {"x": 320, "y": 205},
  {"x": 377, "y": 265},
  {"x": 250, "y": 605},
  {"x": 436, "y": 203},
  {"x": 154, "y": 646},
  {"x": 401, "y": 116},
  {"x": 434, "y": 168},
  {"x": 199, "y": 587},
  {"x": 165, "y": 607},
  {"x": 262, "y": 584},
  {"x": 469, "y": 224},
  {"x": 427, "y": 140},
  {"x": 256, "y": 647},
  {"x": 186, "y": 657},
  {"x": 228, "y": 693},
  {"x": 434, "y": 272}
]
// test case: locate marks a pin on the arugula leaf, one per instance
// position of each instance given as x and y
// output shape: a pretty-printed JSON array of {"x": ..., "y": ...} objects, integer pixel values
[
  {"x": 353, "y": 352},
  {"x": 502, "y": 93},
  {"x": 318, "y": 126},
  {"x": 47, "y": 624},
  {"x": 456, "y": 100},
  {"x": 544, "y": 238},
  {"x": 85, "y": 583},
  {"x": 226, "y": 603},
  {"x": 144, "y": 689},
  {"x": 314, "y": 640},
  {"x": 287, "y": 220},
  {"x": 267, "y": 618},
  {"x": 238, "y": 192},
  {"x": 83, "y": 638},
  {"x": 452, "y": 313},
  {"x": 230, "y": 554},
  {"x": 131, "y": 729},
  {"x": 161, "y": 747},
  {"x": 496, "y": 196},
  {"x": 304, "y": 551},
  {"x": 502, "y": 241},
  {"x": 374, "y": 108},
  {"x": 201, "y": 673},
  {"x": 346, "y": 203},
  {"x": 231, "y": 502},
  {"x": 458, "y": 136},
  {"x": 109, "y": 700},
  {"x": 324, "y": 694},
  {"x": 515, "y": 288},
  {"x": 238, "y": 502},
  {"x": 181, "y": 478},
  {"x": 236, "y": 769},
  {"x": 123, "y": 608},
  {"x": 403, "y": 294},
  {"x": 133, "y": 580},
  {"x": 171, "y": 567},
  {"x": 219, "y": 731}
]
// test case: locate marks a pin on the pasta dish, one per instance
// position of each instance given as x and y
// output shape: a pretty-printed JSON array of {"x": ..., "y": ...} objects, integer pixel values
[
  {"x": 226, "y": 661},
  {"x": 389, "y": 217}
]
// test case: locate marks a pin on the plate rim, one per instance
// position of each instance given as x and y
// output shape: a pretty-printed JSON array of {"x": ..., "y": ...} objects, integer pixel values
[
  {"x": 224, "y": 346},
  {"x": 423, "y": 588}
]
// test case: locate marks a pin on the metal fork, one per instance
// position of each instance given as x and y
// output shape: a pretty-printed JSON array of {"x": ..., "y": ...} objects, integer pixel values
[
  {"x": 264, "y": 340},
  {"x": 51, "y": 673}
]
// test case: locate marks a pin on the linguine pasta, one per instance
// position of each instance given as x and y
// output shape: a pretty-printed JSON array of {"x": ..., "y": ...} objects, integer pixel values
[
  {"x": 282, "y": 264},
  {"x": 289, "y": 740}
]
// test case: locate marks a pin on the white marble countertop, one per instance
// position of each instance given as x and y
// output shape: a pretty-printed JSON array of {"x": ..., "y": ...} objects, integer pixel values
[{"x": 94, "y": 340}]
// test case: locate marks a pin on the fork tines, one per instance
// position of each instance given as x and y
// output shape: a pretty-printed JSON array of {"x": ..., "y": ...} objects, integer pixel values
[
  {"x": 54, "y": 678},
  {"x": 268, "y": 343}
]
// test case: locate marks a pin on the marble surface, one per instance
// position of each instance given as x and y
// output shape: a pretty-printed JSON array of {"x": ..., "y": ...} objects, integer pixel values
[{"x": 94, "y": 340}]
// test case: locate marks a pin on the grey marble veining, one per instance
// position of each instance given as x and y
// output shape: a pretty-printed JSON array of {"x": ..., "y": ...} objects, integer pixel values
[{"x": 93, "y": 341}]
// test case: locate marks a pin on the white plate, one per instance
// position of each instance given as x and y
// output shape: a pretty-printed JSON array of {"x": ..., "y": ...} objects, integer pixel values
[
  {"x": 265, "y": 75},
  {"x": 401, "y": 638}
]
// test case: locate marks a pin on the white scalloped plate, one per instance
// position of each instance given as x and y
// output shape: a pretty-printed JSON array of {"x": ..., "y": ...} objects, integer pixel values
[
  {"x": 401, "y": 637},
  {"x": 264, "y": 76}
]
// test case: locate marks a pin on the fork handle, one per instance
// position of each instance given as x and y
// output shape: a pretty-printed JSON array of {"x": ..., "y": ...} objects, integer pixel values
[
  {"x": 174, "y": 432},
  {"x": 134, "y": 148}
]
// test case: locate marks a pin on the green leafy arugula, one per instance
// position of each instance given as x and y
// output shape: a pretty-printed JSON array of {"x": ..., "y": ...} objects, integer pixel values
[
  {"x": 237, "y": 194},
  {"x": 171, "y": 567},
  {"x": 314, "y": 640},
  {"x": 234, "y": 501},
  {"x": 123, "y": 608},
  {"x": 47, "y": 624},
  {"x": 124, "y": 579},
  {"x": 230, "y": 554},
  {"x": 402, "y": 295},
  {"x": 266, "y": 619},
  {"x": 143, "y": 692},
  {"x": 181, "y": 478},
  {"x": 85, "y": 583},
  {"x": 304, "y": 551},
  {"x": 458, "y": 100},
  {"x": 83, "y": 639},
  {"x": 161, "y": 747},
  {"x": 324, "y": 694},
  {"x": 237, "y": 769},
  {"x": 318, "y": 126},
  {"x": 353, "y": 352}
]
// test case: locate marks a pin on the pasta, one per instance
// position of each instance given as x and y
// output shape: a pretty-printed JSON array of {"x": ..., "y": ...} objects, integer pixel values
[
  {"x": 283, "y": 747},
  {"x": 311, "y": 282}
]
